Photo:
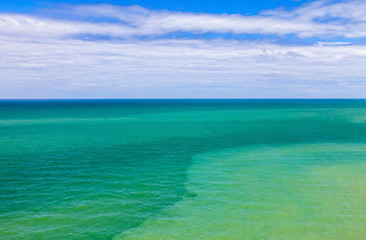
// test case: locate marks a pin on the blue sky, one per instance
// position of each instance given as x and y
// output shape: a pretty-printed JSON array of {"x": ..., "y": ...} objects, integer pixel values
[
  {"x": 229, "y": 6},
  {"x": 183, "y": 49}
]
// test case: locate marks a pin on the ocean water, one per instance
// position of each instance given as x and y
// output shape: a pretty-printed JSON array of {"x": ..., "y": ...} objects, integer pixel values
[{"x": 183, "y": 169}]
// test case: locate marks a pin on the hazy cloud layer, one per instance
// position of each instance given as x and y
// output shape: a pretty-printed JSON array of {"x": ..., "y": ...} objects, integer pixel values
[{"x": 61, "y": 56}]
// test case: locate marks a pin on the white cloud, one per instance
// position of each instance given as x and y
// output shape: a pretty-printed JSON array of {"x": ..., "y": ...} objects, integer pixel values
[
  {"x": 174, "y": 64},
  {"x": 317, "y": 19},
  {"x": 40, "y": 59}
]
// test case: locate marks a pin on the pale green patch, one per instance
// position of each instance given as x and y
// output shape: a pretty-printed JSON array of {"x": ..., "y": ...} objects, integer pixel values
[{"x": 304, "y": 191}]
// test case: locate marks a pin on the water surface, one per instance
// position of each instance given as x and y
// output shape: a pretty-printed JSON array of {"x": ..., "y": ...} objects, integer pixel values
[{"x": 183, "y": 169}]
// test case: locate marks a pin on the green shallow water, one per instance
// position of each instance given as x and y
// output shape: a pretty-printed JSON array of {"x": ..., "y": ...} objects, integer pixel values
[
  {"x": 240, "y": 194},
  {"x": 183, "y": 169}
]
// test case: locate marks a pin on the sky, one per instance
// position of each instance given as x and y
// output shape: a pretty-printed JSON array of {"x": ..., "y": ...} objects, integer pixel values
[{"x": 182, "y": 49}]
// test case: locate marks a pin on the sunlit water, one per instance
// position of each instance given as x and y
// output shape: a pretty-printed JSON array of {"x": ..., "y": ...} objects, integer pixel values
[{"x": 183, "y": 169}]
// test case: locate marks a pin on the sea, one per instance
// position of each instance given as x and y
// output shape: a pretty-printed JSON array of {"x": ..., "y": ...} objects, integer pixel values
[{"x": 207, "y": 169}]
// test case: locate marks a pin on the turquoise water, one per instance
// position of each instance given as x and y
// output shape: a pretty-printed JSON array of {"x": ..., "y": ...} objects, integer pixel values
[{"x": 183, "y": 169}]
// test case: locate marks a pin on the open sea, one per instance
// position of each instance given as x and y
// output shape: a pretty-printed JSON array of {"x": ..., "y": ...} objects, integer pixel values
[{"x": 183, "y": 169}]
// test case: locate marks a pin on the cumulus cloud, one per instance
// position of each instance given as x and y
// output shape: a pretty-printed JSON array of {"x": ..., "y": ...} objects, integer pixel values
[{"x": 45, "y": 57}]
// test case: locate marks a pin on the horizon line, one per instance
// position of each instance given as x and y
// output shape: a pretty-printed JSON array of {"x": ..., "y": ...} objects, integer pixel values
[{"x": 56, "y": 99}]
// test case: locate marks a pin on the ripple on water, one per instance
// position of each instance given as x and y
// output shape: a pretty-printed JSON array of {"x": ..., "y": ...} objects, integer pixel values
[{"x": 249, "y": 193}]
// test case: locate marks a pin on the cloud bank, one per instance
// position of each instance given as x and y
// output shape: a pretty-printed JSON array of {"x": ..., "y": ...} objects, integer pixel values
[{"x": 92, "y": 51}]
